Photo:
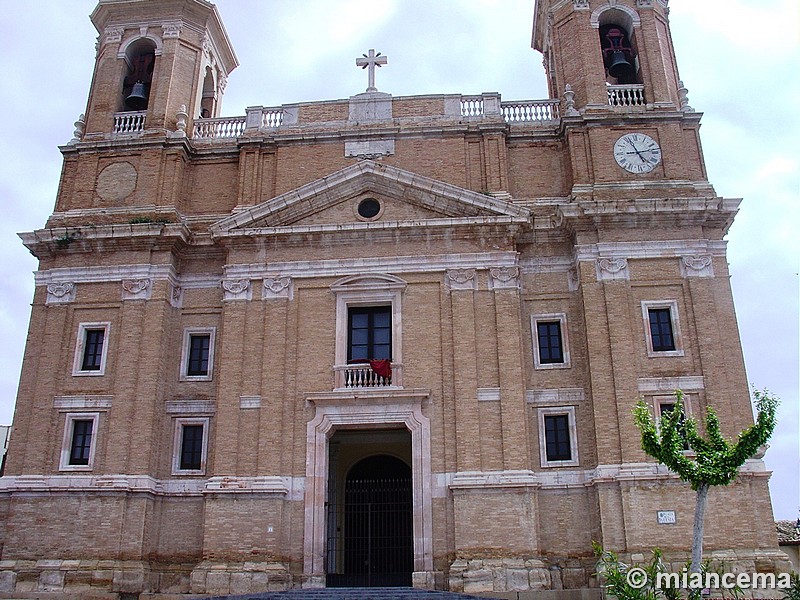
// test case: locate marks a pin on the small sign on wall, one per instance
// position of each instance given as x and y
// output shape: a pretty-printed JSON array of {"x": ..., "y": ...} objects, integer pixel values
[{"x": 666, "y": 517}]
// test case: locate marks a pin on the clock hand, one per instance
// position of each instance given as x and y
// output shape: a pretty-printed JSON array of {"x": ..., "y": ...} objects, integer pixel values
[{"x": 636, "y": 150}]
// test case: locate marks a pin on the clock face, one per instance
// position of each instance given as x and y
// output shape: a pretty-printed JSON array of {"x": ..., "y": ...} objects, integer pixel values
[{"x": 637, "y": 152}]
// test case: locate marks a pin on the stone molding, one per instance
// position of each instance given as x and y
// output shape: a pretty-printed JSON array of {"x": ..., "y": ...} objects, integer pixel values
[
  {"x": 59, "y": 280},
  {"x": 488, "y": 394},
  {"x": 190, "y": 407},
  {"x": 364, "y": 266},
  {"x": 555, "y": 396},
  {"x": 291, "y": 488},
  {"x": 249, "y": 402},
  {"x": 650, "y": 249},
  {"x": 295, "y": 488},
  {"x": 74, "y": 403},
  {"x": 368, "y": 148},
  {"x": 689, "y": 383}
]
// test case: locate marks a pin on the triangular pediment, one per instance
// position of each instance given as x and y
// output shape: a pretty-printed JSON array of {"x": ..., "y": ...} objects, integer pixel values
[{"x": 404, "y": 197}]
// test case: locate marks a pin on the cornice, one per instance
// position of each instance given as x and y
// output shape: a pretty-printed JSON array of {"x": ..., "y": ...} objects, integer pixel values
[{"x": 59, "y": 240}]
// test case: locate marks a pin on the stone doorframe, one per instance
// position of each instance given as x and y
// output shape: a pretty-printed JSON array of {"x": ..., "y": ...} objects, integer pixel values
[{"x": 366, "y": 409}]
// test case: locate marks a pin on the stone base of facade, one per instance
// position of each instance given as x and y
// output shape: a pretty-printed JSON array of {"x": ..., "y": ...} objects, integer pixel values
[
  {"x": 483, "y": 575},
  {"x": 141, "y": 580},
  {"x": 128, "y": 580},
  {"x": 505, "y": 575}
]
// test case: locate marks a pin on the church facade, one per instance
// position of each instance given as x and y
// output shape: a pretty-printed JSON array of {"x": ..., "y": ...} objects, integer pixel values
[{"x": 372, "y": 341}]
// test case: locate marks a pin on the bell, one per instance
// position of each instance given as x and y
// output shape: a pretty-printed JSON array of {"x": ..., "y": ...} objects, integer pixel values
[
  {"x": 137, "y": 100},
  {"x": 619, "y": 66}
]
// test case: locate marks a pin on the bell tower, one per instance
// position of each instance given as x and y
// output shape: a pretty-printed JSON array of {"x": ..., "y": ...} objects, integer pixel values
[
  {"x": 153, "y": 58},
  {"x": 610, "y": 52}
]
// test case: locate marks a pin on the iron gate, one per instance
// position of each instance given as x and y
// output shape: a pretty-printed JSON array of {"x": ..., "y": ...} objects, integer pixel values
[{"x": 373, "y": 542}]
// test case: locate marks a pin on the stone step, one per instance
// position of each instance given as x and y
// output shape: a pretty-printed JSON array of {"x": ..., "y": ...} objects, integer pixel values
[{"x": 395, "y": 593}]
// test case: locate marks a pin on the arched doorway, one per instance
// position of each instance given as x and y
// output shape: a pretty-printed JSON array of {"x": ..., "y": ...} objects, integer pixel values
[{"x": 373, "y": 542}]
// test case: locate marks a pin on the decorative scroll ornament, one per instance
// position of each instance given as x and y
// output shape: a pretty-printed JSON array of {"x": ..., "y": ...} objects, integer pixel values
[
  {"x": 504, "y": 277},
  {"x": 171, "y": 29},
  {"x": 135, "y": 289},
  {"x": 461, "y": 279},
  {"x": 612, "y": 269},
  {"x": 176, "y": 296},
  {"x": 573, "y": 280},
  {"x": 113, "y": 35},
  {"x": 277, "y": 287},
  {"x": 236, "y": 289},
  {"x": 697, "y": 266},
  {"x": 60, "y": 292},
  {"x": 580, "y": 4}
]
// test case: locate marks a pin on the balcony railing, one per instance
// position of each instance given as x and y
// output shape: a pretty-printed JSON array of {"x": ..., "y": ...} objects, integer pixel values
[
  {"x": 626, "y": 95},
  {"x": 224, "y": 127},
  {"x": 526, "y": 111},
  {"x": 129, "y": 121},
  {"x": 361, "y": 375}
]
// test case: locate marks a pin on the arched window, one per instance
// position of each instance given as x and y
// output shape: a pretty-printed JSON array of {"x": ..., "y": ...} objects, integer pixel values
[
  {"x": 616, "y": 25},
  {"x": 140, "y": 57},
  {"x": 619, "y": 56},
  {"x": 209, "y": 100}
]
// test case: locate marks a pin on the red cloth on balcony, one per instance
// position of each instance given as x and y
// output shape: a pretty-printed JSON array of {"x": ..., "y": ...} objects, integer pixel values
[{"x": 383, "y": 368}]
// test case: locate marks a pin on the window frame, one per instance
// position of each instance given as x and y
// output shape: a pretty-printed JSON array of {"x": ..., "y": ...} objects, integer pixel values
[
  {"x": 188, "y": 334},
  {"x": 68, "y": 438},
  {"x": 549, "y": 411},
  {"x": 370, "y": 310},
  {"x": 672, "y": 306},
  {"x": 561, "y": 318},
  {"x": 177, "y": 445},
  {"x": 658, "y": 402},
  {"x": 80, "y": 349},
  {"x": 367, "y": 299}
]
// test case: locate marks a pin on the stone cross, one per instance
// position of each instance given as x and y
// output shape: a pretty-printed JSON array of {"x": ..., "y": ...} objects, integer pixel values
[{"x": 371, "y": 61}]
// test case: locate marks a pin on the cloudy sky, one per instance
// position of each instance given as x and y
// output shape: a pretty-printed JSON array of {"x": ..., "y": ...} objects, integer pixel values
[{"x": 739, "y": 59}]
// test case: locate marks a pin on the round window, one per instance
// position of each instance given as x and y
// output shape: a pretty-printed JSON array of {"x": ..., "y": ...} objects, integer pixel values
[{"x": 369, "y": 208}]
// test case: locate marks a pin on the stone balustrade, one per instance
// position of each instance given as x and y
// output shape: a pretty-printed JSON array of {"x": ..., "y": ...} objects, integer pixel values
[
  {"x": 129, "y": 122},
  {"x": 361, "y": 375},
  {"x": 626, "y": 95}
]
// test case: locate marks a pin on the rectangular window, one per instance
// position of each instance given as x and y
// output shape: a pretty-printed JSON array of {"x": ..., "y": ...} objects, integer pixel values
[
  {"x": 81, "y": 442},
  {"x": 369, "y": 333},
  {"x": 197, "y": 356},
  {"x": 556, "y": 434},
  {"x": 199, "y": 345},
  {"x": 550, "y": 348},
  {"x": 666, "y": 408},
  {"x": 558, "y": 437},
  {"x": 192, "y": 448},
  {"x": 191, "y": 443},
  {"x": 550, "y": 341},
  {"x": 91, "y": 349},
  {"x": 661, "y": 330},
  {"x": 78, "y": 446}
]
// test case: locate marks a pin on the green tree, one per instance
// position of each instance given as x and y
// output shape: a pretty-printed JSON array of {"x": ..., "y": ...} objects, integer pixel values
[{"x": 713, "y": 460}]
